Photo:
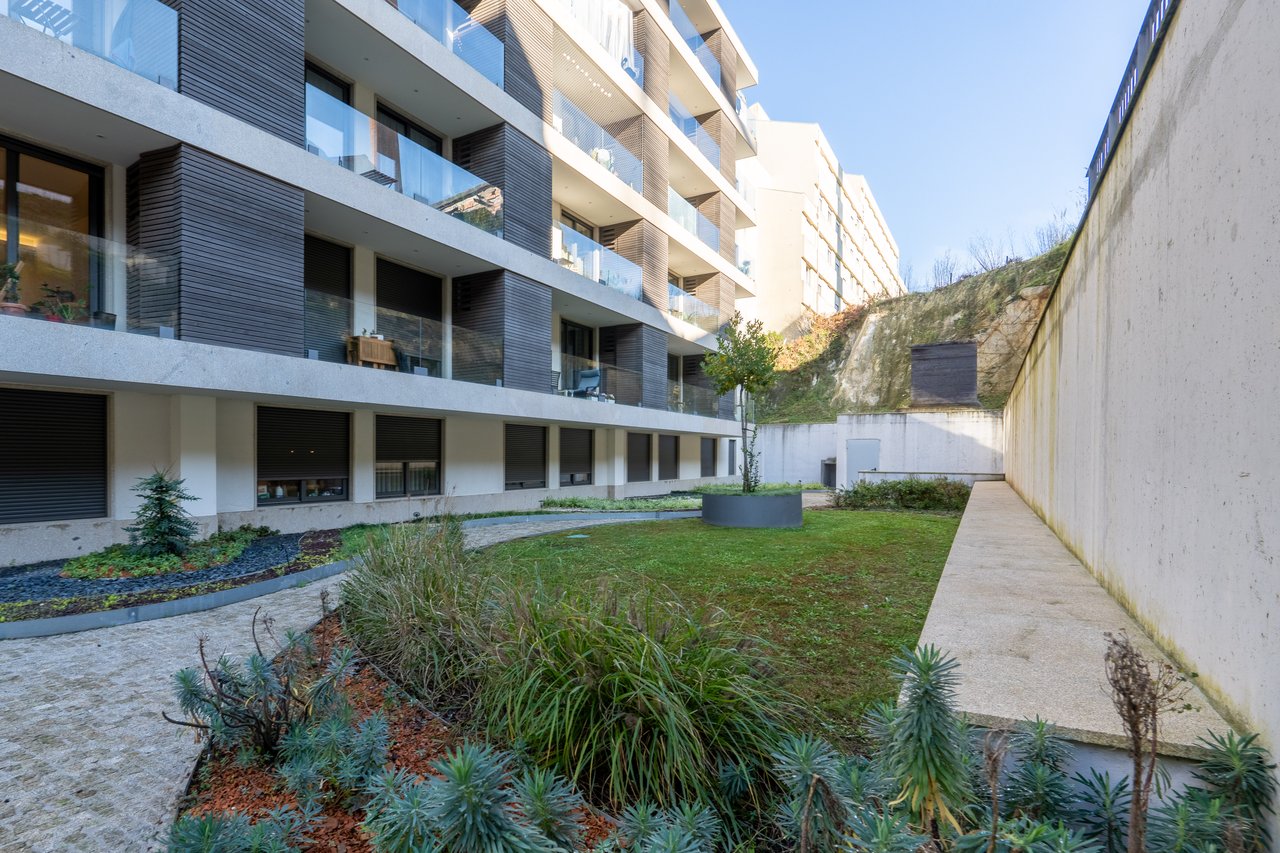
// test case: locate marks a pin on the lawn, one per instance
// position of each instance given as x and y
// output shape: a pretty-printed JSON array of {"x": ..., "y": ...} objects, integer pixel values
[{"x": 838, "y": 598}]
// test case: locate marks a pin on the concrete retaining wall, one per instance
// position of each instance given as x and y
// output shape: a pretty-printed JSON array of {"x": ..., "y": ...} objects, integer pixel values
[{"x": 1143, "y": 425}]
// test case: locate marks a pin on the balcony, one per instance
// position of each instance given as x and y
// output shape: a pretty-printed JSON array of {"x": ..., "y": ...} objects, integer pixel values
[
  {"x": 688, "y": 218},
  {"x": 345, "y": 136},
  {"x": 692, "y": 310},
  {"x": 610, "y": 23},
  {"x": 578, "y": 252},
  {"x": 692, "y": 399},
  {"x": 685, "y": 27},
  {"x": 696, "y": 133},
  {"x": 449, "y": 24},
  {"x": 138, "y": 35},
  {"x": 576, "y": 126},
  {"x": 587, "y": 379}
]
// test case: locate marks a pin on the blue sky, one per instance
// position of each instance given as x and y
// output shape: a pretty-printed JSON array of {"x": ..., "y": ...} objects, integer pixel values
[{"x": 966, "y": 117}]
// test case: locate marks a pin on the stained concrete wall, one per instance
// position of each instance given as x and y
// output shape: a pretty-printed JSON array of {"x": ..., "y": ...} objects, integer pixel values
[{"x": 1142, "y": 427}]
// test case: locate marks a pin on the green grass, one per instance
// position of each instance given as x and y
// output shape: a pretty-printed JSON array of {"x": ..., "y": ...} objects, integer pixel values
[
  {"x": 762, "y": 489},
  {"x": 666, "y": 504},
  {"x": 838, "y": 598}
]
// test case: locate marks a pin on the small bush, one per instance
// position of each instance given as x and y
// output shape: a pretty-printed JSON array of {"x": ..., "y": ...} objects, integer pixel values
[
  {"x": 123, "y": 561},
  {"x": 279, "y": 832},
  {"x": 161, "y": 524},
  {"x": 937, "y": 495},
  {"x": 333, "y": 758}
]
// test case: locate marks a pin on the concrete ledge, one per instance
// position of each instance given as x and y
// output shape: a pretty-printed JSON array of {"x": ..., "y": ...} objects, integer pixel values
[{"x": 1026, "y": 621}]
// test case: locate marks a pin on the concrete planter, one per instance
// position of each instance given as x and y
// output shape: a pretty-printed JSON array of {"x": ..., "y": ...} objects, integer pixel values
[{"x": 753, "y": 510}]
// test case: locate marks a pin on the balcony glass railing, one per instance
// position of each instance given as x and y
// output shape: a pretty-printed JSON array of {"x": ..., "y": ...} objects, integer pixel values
[
  {"x": 418, "y": 341},
  {"x": 611, "y": 23},
  {"x": 358, "y": 143},
  {"x": 691, "y": 309},
  {"x": 477, "y": 357},
  {"x": 692, "y": 399},
  {"x": 745, "y": 260},
  {"x": 580, "y": 129},
  {"x": 140, "y": 35},
  {"x": 589, "y": 259},
  {"x": 326, "y": 326},
  {"x": 699, "y": 46},
  {"x": 691, "y": 220},
  {"x": 449, "y": 24},
  {"x": 587, "y": 379},
  {"x": 690, "y": 127}
]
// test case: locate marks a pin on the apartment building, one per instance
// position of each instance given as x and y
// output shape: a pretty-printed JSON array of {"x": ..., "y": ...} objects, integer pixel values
[
  {"x": 822, "y": 244},
  {"x": 338, "y": 261}
]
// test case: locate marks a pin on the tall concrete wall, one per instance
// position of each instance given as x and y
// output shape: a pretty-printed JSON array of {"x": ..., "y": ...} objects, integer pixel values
[{"x": 1143, "y": 425}]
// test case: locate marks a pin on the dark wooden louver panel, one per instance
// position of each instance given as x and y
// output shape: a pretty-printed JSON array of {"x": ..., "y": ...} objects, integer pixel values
[
  {"x": 576, "y": 451},
  {"x": 409, "y": 291},
  {"x": 327, "y": 267},
  {"x": 298, "y": 444},
  {"x": 639, "y": 457},
  {"x": 668, "y": 457},
  {"x": 56, "y": 465},
  {"x": 526, "y": 457},
  {"x": 708, "y": 457},
  {"x": 403, "y": 439}
]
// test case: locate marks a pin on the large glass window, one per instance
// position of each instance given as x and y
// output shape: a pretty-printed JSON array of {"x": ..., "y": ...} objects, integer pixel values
[
  {"x": 53, "y": 213},
  {"x": 413, "y": 132}
]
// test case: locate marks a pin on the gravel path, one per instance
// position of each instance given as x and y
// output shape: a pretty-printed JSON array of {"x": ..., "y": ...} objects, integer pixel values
[{"x": 86, "y": 762}]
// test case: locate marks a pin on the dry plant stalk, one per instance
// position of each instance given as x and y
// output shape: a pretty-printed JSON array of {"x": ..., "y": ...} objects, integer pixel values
[
  {"x": 1141, "y": 690},
  {"x": 994, "y": 747}
]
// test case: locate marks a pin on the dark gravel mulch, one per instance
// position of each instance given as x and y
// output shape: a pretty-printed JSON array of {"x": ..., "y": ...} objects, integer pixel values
[{"x": 36, "y": 591}]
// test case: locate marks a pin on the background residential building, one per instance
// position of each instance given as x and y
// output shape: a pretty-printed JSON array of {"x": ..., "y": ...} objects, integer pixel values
[
  {"x": 822, "y": 244},
  {"x": 340, "y": 261}
]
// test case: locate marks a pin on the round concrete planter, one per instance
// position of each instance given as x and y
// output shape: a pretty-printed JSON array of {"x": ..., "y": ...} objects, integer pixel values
[{"x": 753, "y": 510}]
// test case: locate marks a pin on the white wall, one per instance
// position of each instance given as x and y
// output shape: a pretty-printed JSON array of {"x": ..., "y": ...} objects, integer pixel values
[
  {"x": 793, "y": 453},
  {"x": 1143, "y": 425}
]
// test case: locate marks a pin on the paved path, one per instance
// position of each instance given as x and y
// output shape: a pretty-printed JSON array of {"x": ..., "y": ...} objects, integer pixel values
[{"x": 86, "y": 762}]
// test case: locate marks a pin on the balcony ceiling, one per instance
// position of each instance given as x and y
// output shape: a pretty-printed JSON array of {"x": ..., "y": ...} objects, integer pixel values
[{"x": 584, "y": 197}]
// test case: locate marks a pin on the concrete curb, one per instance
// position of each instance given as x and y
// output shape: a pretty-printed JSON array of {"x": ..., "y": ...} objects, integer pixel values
[{"x": 76, "y": 622}]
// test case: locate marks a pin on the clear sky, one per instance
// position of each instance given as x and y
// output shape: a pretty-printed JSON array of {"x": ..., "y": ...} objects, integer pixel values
[{"x": 966, "y": 117}]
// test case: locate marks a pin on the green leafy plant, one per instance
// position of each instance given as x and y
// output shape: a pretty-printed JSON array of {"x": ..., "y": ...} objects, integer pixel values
[
  {"x": 1194, "y": 822},
  {"x": 334, "y": 758},
  {"x": 745, "y": 362},
  {"x": 122, "y": 561},
  {"x": 10, "y": 276},
  {"x": 1104, "y": 809},
  {"x": 1023, "y": 835},
  {"x": 1239, "y": 770},
  {"x": 281, "y": 831},
  {"x": 816, "y": 807},
  {"x": 1037, "y": 788},
  {"x": 936, "y": 495},
  {"x": 550, "y": 804},
  {"x": 161, "y": 524}
]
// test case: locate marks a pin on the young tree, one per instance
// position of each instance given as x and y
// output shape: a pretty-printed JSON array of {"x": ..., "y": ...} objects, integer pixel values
[
  {"x": 162, "y": 525},
  {"x": 747, "y": 362}
]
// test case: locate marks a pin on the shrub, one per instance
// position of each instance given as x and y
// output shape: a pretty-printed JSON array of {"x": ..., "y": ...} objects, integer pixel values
[
  {"x": 280, "y": 832},
  {"x": 551, "y": 805},
  {"x": 1239, "y": 770},
  {"x": 333, "y": 757},
  {"x": 123, "y": 561},
  {"x": 1104, "y": 810},
  {"x": 936, "y": 495},
  {"x": 161, "y": 524}
]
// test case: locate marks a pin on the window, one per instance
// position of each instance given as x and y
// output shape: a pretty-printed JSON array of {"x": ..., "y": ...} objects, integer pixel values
[
  {"x": 577, "y": 453},
  {"x": 408, "y": 456},
  {"x": 580, "y": 225},
  {"x": 639, "y": 457},
  {"x": 413, "y": 132},
  {"x": 410, "y": 306},
  {"x": 327, "y": 299},
  {"x": 733, "y": 457},
  {"x": 52, "y": 213},
  {"x": 708, "y": 457},
  {"x": 668, "y": 457},
  {"x": 328, "y": 83},
  {"x": 56, "y": 465},
  {"x": 526, "y": 457},
  {"x": 303, "y": 455}
]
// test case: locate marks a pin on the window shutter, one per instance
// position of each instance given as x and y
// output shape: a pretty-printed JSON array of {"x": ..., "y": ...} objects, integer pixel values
[
  {"x": 401, "y": 439},
  {"x": 408, "y": 290},
  {"x": 576, "y": 451},
  {"x": 526, "y": 457},
  {"x": 708, "y": 457},
  {"x": 668, "y": 457},
  {"x": 639, "y": 457},
  {"x": 327, "y": 267},
  {"x": 299, "y": 444},
  {"x": 56, "y": 467}
]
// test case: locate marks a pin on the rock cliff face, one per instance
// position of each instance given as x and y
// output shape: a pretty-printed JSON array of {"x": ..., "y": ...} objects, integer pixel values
[{"x": 860, "y": 361}]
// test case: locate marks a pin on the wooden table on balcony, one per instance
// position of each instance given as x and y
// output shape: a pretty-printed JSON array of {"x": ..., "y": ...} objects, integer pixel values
[{"x": 367, "y": 351}]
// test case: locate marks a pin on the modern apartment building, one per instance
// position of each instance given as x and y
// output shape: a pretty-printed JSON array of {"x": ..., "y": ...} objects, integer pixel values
[
  {"x": 336, "y": 261},
  {"x": 823, "y": 244}
]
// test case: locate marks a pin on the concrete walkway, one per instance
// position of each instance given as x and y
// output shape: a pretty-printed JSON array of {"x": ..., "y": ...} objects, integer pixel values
[
  {"x": 86, "y": 762},
  {"x": 1026, "y": 621}
]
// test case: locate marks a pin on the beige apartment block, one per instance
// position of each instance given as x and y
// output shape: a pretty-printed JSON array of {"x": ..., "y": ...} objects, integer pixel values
[{"x": 822, "y": 244}]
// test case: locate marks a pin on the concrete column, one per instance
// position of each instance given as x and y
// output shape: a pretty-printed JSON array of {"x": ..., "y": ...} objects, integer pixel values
[
  {"x": 364, "y": 289},
  {"x": 362, "y": 456},
  {"x": 446, "y": 331},
  {"x": 613, "y": 443},
  {"x": 237, "y": 455},
  {"x": 193, "y": 448},
  {"x": 139, "y": 445},
  {"x": 653, "y": 458},
  {"x": 553, "y": 457},
  {"x": 364, "y": 99},
  {"x": 115, "y": 298}
]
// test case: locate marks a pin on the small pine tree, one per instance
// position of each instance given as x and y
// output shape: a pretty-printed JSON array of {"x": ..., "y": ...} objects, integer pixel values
[{"x": 161, "y": 524}]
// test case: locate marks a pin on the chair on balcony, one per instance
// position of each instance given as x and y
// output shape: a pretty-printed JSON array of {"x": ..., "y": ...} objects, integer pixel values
[
  {"x": 588, "y": 384},
  {"x": 54, "y": 18}
]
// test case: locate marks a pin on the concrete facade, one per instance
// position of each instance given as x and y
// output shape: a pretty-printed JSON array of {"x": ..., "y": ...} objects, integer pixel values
[
  {"x": 1142, "y": 426},
  {"x": 823, "y": 244}
]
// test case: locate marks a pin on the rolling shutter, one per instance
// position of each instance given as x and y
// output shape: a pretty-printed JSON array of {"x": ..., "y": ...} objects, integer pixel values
[
  {"x": 708, "y": 457},
  {"x": 401, "y": 439},
  {"x": 576, "y": 452},
  {"x": 408, "y": 291},
  {"x": 300, "y": 444},
  {"x": 327, "y": 315},
  {"x": 668, "y": 457},
  {"x": 526, "y": 457},
  {"x": 639, "y": 457},
  {"x": 55, "y": 463},
  {"x": 327, "y": 267}
]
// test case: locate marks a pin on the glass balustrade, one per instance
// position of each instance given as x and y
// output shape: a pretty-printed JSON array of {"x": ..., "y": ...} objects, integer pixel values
[
  {"x": 685, "y": 27},
  {"x": 140, "y": 35},
  {"x": 449, "y": 24},
  {"x": 611, "y": 24},
  {"x": 578, "y": 252},
  {"x": 692, "y": 399},
  {"x": 477, "y": 357},
  {"x": 690, "y": 219},
  {"x": 345, "y": 136},
  {"x": 691, "y": 309},
  {"x": 687, "y": 124},
  {"x": 580, "y": 129},
  {"x": 418, "y": 341},
  {"x": 587, "y": 379}
]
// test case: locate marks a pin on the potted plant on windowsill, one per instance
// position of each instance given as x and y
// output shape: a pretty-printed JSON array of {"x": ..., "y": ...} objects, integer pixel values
[
  {"x": 61, "y": 306},
  {"x": 746, "y": 362},
  {"x": 9, "y": 296}
]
